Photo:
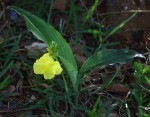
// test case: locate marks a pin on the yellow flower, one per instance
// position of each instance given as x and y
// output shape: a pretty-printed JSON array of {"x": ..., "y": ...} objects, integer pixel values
[{"x": 47, "y": 66}]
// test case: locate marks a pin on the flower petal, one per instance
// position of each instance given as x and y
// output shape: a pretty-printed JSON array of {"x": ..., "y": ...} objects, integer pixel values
[
  {"x": 57, "y": 68},
  {"x": 49, "y": 74},
  {"x": 41, "y": 65},
  {"x": 46, "y": 57},
  {"x": 54, "y": 69},
  {"x": 47, "y": 66}
]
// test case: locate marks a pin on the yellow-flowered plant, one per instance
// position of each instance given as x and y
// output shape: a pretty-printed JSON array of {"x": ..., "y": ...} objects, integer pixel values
[{"x": 46, "y": 65}]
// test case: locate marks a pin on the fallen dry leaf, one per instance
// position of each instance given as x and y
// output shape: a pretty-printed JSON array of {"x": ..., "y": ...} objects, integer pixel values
[
  {"x": 60, "y": 4},
  {"x": 80, "y": 59},
  {"x": 78, "y": 54},
  {"x": 35, "y": 49},
  {"x": 118, "y": 88},
  {"x": 113, "y": 115},
  {"x": 37, "y": 46}
]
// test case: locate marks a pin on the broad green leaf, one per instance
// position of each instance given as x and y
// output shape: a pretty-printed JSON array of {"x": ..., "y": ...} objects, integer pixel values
[
  {"x": 72, "y": 72},
  {"x": 107, "y": 57},
  {"x": 45, "y": 32}
]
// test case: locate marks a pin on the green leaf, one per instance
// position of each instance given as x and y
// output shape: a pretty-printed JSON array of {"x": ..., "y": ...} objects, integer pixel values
[
  {"x": 146, "y": 69},
  {"x": 147, "y": 80},
  {"x": 138, "y": 72},
  {"x": 5, "y": 82},
  {"x": 6, "y": 68},
  {"x": 107, "y": 57},
  {"x": 122, "y": 24},
  {"x": 91, "y": 10},
  {"x": 138, "y": 67},
  {"x": 117, "y": 28},
  {"x": 56, "y": 115},
  {"x": 93, "y": 113},
  {"x": 45, "y": 32},
  {"x": 72, "y": 72},
  {"x": 146, "y": 115}
]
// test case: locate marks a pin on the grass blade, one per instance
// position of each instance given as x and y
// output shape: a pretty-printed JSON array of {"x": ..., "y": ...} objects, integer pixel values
[
  {"x": 93, "y": 113},
  {"x": 5, "y": 82},
  {"x": 6, "y": 68},
  {"x": 121, "y": 24},
  {"x": 91, "y": 10}
]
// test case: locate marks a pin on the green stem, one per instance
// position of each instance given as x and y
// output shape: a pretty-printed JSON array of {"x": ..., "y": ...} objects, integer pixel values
[{"x": 66, "y": 86}]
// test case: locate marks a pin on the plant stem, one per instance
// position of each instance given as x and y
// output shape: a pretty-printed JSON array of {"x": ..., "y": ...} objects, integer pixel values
[{"x": 66, "y": 86}]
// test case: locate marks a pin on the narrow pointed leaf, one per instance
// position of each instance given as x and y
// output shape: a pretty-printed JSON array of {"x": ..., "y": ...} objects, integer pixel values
[
  {"x": 6, "y": 82},
  {"x": 45, "y": 32},
  {"x": 72, "y": 72},
  {"x": 107, "y": 57}
]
